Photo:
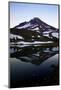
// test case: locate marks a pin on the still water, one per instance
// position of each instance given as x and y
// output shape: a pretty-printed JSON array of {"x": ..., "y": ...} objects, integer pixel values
[{"x": 33, "y": 66}]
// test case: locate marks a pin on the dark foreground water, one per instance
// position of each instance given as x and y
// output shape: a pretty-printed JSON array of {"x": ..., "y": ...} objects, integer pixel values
[{"x": 33, "y": 66}]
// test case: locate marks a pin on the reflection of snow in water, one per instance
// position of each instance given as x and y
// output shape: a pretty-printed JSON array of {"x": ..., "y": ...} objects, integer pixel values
[
  {"x": 46, "y": 50},
  {"x": 51, "y": 49},
  {"x": 55, "y": 49},
  {"x": 43, "y": 69}
]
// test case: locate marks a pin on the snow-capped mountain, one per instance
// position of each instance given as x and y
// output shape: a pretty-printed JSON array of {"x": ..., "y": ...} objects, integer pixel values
[
  {"x": 35, "y": 23},
  {"x": 35, "y": 29}
]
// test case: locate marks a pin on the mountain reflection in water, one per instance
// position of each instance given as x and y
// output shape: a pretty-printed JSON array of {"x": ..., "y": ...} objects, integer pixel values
[
  {"x": 33, "y": 65},
  {"x": 33, "y": 54}
]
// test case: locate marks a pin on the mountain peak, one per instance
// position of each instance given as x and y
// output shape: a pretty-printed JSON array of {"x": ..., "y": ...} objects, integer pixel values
[
  {"x": 35, "y": 23},
  {"x": 35, "y": 20}
]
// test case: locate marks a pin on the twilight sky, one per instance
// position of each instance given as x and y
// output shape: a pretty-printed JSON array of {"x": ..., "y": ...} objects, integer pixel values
[{"x": 20, "y": 12}]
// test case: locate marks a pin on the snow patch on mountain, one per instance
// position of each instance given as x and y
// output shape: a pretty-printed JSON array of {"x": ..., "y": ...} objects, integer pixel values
[
  {"x": 55, "y": 34},
  {"x": 25, "y": 26},
  {"x": 15, "y": 36},
  {"x": 35, "y": 29}
]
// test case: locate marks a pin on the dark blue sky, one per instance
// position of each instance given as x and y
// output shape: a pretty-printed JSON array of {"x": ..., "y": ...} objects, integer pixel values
[{"x": 20, "y": 12}]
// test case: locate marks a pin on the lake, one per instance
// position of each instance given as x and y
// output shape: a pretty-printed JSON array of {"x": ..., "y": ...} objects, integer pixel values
[{"x": 34, "y": 65}]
